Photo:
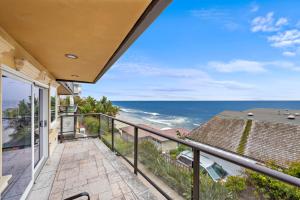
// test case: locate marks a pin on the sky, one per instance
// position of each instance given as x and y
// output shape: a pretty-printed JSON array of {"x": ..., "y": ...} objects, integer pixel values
[{"x": 211, "y": 50}]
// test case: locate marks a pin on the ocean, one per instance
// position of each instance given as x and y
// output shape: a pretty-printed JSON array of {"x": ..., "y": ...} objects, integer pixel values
[{"x": 189, "y": 114}]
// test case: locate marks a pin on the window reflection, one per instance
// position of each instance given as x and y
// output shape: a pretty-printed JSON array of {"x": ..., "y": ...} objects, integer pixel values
[
  {"x": 53, "y": 103},
  {"x": 16, "y": 136},
  {"x": 37, "y": 152}
]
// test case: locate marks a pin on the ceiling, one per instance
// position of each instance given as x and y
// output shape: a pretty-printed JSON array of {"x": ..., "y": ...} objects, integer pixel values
[{"x": 97, "y": 31}]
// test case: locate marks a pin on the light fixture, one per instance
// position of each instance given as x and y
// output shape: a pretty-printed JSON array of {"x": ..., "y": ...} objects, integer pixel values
[{"x": 71, "y": 56}]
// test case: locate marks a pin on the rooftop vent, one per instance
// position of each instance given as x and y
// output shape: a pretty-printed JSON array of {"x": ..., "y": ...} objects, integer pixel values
[
  {"x": 250, "y": 114},
  {"x": 291, "y": 117}
]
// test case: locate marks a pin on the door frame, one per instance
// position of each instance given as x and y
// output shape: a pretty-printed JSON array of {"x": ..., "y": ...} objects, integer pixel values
[{"x": 43, "y": 131}]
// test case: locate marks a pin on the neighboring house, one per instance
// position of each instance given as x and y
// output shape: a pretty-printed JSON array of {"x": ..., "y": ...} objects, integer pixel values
[
  {"x": 127, "y": 133},
  {"x": 272, "y": 136}
]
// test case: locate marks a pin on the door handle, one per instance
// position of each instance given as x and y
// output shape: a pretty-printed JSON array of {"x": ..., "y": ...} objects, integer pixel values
[{"x": 43, "y": 123}]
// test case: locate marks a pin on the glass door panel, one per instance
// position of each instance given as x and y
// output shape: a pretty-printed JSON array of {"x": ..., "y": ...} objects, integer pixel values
[
  {"x": 16, "y": 136},
  {"x": 37, "y": 120}
]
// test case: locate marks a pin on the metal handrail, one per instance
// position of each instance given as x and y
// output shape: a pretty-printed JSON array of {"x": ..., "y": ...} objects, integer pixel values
[{"x": 197, "y": 147}]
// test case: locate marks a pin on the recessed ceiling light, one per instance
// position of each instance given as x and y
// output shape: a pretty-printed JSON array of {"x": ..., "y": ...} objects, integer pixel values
[{"x": 71, "y": 56}]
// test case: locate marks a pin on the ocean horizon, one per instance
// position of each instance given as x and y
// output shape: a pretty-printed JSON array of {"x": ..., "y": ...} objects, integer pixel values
[{"x": 189, "y": 114}]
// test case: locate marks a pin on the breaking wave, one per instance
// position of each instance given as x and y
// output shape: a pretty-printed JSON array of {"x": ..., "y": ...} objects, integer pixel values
[
  {"x": 169, "y": 121},
  {"x": 157, "y": 118},
  {"x": 128, "y": 110}
]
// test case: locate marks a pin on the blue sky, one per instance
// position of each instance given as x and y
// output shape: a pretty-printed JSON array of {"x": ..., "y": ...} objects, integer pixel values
[{"x": 211, "y": 50}]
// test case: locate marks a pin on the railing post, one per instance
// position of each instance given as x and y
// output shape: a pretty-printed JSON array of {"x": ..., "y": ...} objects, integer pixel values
[
  {"x": 196, "y": 176},
  {"x": 112, "y": 135},
  {"x": 61, "y": 129},
  {"x": 99, "y": 134},
  {"x": 135, "y": 150},
  {"x": 75, "y": 120}
]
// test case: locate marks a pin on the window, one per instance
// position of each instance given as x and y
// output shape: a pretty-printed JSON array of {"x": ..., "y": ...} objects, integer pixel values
[
  {"x": 53, "y": 103},
  {"x": 216, "y": 171},
  {"x": 185, "y": 161}
]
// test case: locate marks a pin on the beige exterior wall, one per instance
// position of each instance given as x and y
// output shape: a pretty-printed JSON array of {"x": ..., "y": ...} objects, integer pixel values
[
  {"x": 168, "y": 145},
  {"x": 13, "y": 56},
  {"x": 164, "y": 146}
]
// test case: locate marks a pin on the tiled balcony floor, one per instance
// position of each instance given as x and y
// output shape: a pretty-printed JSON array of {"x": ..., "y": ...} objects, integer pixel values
[{"x": 87, "y": 166}]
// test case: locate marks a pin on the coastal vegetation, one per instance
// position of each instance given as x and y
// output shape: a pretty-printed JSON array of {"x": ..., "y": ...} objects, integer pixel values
[
  {"x": 270, "y": 188},
  {"x": 91, "y": 105},
  {"x": 179, "y": 179},
  {"x": 250, "y": 184}
]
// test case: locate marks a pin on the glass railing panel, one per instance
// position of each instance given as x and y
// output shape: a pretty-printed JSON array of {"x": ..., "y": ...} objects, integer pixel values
[
  {"x": 87, "y": 125},
  {"x": 124, "y": 140},
  {"x": 105, "y": 130},
  {"x": 67, "y": 126},
  {"x": 167, "y": 164},
  {"x": 222, "y": 180}
]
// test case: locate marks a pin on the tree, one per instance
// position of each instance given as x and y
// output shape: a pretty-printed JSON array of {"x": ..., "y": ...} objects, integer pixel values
[{"x": 91, "y": 105}]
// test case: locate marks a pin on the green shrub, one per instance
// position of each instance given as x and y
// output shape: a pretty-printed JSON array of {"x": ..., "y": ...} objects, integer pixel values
[
  {"x": 272, "y": 189},
  {"x": 293, "y": 170},
  {"x": 236, "y": 184},
  {"x": 173, "y": 153},
  {"x": 106, "y": 138},
  {"x": 179, "y": 179},
  {"x": 122, "y": 146},
  {"x": 180, "y": 148},
  {"x": 210, "y": 189},
  {"x": 91, "y": 124}
]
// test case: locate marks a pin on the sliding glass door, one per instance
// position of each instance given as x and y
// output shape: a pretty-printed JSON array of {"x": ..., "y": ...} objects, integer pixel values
[
  {"x": 40, "y": 122},
  {"x": 24, "y": 133},
  {"x": 16, "y": 135}
]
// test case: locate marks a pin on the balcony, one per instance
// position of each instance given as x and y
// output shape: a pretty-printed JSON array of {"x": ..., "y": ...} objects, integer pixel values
[
  {"x": 111, "y": 158},
  {"x": 87, "y": 166}
]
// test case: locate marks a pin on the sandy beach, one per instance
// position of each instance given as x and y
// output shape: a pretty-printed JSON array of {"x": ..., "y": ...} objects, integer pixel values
[{"x": 129, "y": 118}]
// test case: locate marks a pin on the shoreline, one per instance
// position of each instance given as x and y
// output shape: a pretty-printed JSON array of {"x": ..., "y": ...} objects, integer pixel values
[{"x": 129, "y": 118}]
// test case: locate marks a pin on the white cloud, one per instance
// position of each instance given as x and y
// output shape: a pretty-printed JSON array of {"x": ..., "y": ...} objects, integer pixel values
[
  {"x": 187, "y": 75},
  {"x": 287, "y": 38},
  {"x": 145, "y": 80},
  {"x": 251, "y": 66},
  {"x": 281, "y": 22},
  {"x": 220, "y": 16},
  {"x": 289, "y": 53},
  {"x": 238, "y": 66},
  {"x": 267, "y": 23},
  {"x": 210, "y": 14},
  {"x": 147, "y": 69},
  {"x": 285, "y": 64}
]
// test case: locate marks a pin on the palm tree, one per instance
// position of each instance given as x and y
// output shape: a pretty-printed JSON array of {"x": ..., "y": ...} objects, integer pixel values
[{"x": 91, "y": 105}]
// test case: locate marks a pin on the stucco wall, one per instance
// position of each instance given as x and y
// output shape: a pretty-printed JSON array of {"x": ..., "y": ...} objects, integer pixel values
[
  {"x": 17, "y": 59},
  {"x": 168, "y": 145}
]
